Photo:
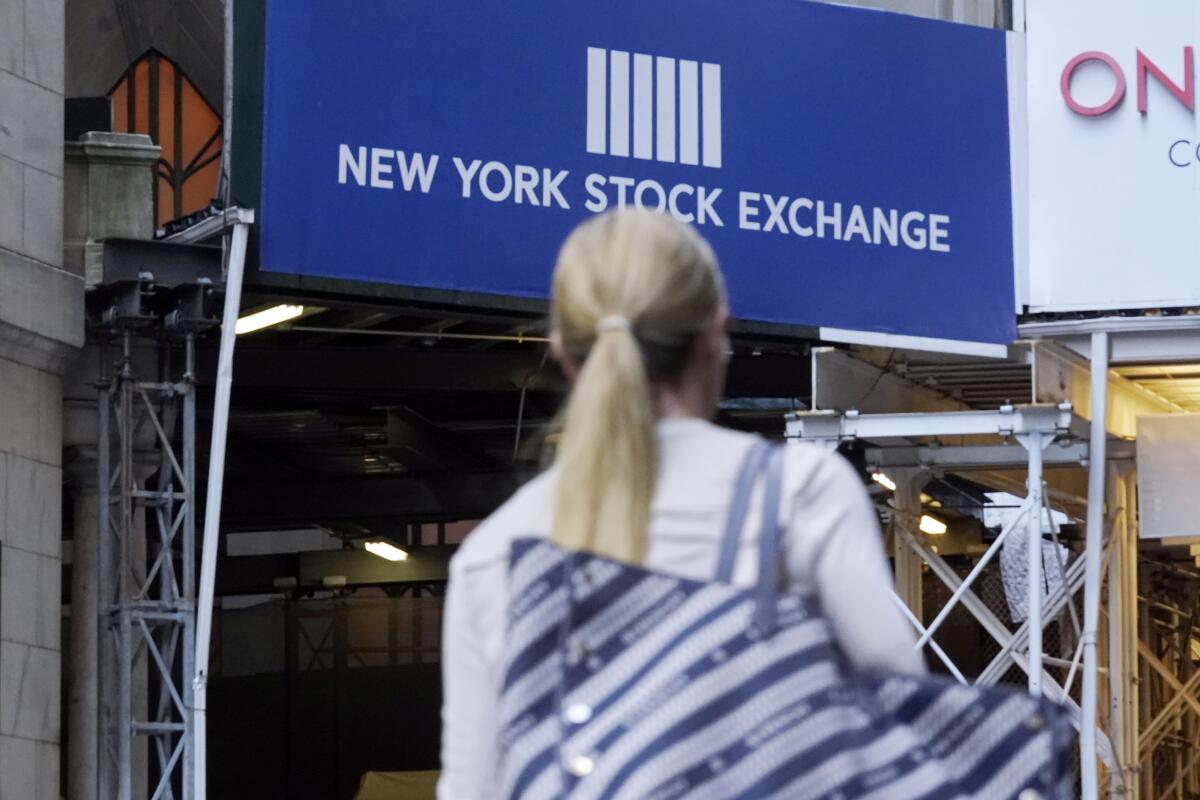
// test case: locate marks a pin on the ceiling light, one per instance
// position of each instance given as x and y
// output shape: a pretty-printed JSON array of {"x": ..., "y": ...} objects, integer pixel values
[
  {"x": 267, "y": 317},
  {"x": 385, "y": 549},
  {"x": 932, "y": 525},
  {"x": 884, "y": 481}
]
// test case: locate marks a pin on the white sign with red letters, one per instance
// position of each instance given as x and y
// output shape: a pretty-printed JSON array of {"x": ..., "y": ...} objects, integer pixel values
[{"x": 1114, "y": 154}]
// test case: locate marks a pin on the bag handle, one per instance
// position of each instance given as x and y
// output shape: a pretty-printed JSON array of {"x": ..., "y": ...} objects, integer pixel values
[
  {"x": 736, "y": 520},
  {"x": 764, "y": 459},
  {"x": 766, "y": 609}
]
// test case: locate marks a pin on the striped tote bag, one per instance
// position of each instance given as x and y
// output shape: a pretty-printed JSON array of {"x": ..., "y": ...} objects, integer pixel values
[{"x": 626, "y": 683}]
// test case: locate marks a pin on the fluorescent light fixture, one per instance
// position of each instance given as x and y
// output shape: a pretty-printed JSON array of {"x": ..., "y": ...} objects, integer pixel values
[
  {"x": 385, "y": 550},
  {"x": 267, "y": 317},
  {"x": 884, "y": 481},
  {"x": 932, "y": 525}
]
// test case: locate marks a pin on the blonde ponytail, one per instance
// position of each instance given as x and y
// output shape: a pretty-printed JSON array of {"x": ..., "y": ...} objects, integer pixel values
[{"x": 630, "y": 292}]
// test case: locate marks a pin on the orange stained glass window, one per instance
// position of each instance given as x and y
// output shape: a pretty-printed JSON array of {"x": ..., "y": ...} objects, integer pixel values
[{"x": 155, "y": 97}]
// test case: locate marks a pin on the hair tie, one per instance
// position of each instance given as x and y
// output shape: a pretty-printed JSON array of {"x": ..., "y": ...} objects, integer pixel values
[{"x": 614, "y": 322}]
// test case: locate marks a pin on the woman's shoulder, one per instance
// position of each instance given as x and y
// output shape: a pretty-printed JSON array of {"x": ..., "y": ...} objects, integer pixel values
[
  {"x": 806, "y": 465},
  {"x": 525, "y": 514},
  {"x": 812, "y": 466},
  {"x": 817, "y": 477}
]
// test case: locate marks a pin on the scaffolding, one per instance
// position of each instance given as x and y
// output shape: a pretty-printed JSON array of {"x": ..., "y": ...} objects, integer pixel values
[
  {"x": 147, "y": 578},
  {"x": 1138, "y": 708},
  {"x": 155, "y": 596}
]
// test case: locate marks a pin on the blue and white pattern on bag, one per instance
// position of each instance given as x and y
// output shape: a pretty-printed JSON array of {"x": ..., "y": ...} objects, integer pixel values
[{"x": 626, "y": 683}]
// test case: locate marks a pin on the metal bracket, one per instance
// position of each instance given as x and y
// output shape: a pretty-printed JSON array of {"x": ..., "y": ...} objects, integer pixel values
[
  {"x": 1006, "y": 421},
  {"x": 213, "y": 227}
]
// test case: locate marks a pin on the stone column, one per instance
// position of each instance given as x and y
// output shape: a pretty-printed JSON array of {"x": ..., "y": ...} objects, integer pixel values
[
  {"x": 83, "y": 708},
  {"x": 41, "y": 324},
  {"x": 109, "y": 179}
]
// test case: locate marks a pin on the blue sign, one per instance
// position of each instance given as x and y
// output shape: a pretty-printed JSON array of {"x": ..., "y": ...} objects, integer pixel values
[{"x": 849, "y": 167}]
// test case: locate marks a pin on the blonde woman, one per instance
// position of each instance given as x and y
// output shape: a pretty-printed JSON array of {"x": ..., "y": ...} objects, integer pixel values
[{"x": 643, "y": 477}]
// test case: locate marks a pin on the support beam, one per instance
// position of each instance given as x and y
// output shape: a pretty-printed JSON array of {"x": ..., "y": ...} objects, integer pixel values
[
  {"x": 905, "y": 523},
  {"x": 1168, "y": 676},
  {"x": 1054, "y": 605},
  {"x": 933, "y": 645},
  {"x": 1123, "y": 632},
  {"x": 1058, "y": 377},
  {"x": 1154, "y": 732},
  {"x": 976, "y": 571},
  {"x": 197, "y": 788},
  {"x": 145, "y": 599},
  {"x": 840, "y": 382},
  {"x": 990, "y": 457},
  {"x": 998, "y": 631},
  {"x": 1007, "y": 421},
  {"x": 1133, "y": 671},
  {"x": 1092, "y": 555},
  {"x": 216, "y": 225},
  {"x": 1034, "y": 443},
  {"x": 1137, "y": 339},
  {"x": 362, "y": 369},
  {"x": 1145, "y": 705}
]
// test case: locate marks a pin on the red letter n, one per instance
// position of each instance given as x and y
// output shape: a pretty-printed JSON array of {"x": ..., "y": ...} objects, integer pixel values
[{"x": 1186, "y": 95}]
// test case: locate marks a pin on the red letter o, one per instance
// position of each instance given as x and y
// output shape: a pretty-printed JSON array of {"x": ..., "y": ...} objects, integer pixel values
[{"x": 1118, "y": 94}]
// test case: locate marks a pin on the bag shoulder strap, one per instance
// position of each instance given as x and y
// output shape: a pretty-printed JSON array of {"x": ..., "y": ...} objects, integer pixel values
[
  {"x": 767, "y": 591},
  {"x": 766, "y": 460},
  {"x": 748, "y": 475}
]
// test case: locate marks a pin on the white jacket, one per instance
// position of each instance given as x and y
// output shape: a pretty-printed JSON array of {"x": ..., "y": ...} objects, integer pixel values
[{"x": 832, "y": 548}]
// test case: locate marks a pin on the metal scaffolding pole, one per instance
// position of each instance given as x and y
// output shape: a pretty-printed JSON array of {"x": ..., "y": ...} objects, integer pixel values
[
  {"x": 1123, "y": 633},
  {"x": 1092, "y": 554},
  {"x": 1034, "y": 442},
  {"x": 909, "y": 483},
  {"x": 1148, "y": 745},
  {"x": 146, "y": 608},
  {"x": 106, "y": 757},
  {"x": 976, "y": 571},
  {"x": 145, "y": 543},
  {"x": 1116, "y": 656},
  {"x": 1034, "y": 426},
  {"x": 1045, "y": 434},
  {"x": 212, "y": 505}
]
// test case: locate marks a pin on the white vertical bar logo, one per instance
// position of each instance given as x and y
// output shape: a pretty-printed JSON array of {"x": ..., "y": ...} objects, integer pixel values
[
  {"x": 666, "y": 108},
  {"x": 618, "y": 116},
  {"x": 661, "y": 108},
  {"x": 597, "y": 101},
  {"x": 643, "y": 106},
  {"x": 711, "y": 105},
  {"x": 689, "y": 113}
]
